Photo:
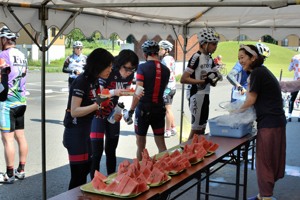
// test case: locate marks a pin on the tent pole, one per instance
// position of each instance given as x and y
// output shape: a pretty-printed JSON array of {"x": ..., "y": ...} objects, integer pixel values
[
  {"x": 182, "y": 88},
  {"x": 43, "y": 16}
]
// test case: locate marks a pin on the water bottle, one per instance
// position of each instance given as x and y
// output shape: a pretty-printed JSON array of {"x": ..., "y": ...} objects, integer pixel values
[
  {"x": 127, "y": 117},
  {"x": 117, "y": 110}
]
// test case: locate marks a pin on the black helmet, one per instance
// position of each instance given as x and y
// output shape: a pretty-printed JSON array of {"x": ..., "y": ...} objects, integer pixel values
[{"x": 150, "y": 47}]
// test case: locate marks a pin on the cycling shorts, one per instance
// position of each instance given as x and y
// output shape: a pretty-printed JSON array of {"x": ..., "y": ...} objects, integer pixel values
[
  {"x": 12, "y": 119},
  {"x": 77, "y": 141},
  {"x": 168, "y": 98},
  {"x": 199, "y": 108},
  {"x": 147, "y": 115},
  {"x": 101, "y": 127}
]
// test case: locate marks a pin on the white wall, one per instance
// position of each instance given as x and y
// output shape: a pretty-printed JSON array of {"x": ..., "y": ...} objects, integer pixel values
[{"x": 55, "y": 52}]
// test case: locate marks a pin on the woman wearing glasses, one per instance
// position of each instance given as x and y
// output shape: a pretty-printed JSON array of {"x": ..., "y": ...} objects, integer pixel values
[
  {"x": 119, "y": 80},
  {"x": 74, "y": 63}
]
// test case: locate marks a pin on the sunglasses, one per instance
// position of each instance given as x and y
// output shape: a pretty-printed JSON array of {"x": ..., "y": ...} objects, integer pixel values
[
  {"x": 80, "y": 48},
  {"x": 128, "y": 69}
]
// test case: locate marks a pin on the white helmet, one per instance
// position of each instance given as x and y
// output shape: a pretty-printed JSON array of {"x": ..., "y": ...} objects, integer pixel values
[
  {"x": 5, "y": 32},
  {"x": 77, "y": 44},
  {"x": 166, "y": 45},
  {"x": 263, "y": 49},
  {"x": 208, "y": 35}
]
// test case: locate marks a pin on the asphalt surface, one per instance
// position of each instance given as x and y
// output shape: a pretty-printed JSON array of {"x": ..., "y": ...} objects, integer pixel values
[{"x": 58, "y": 174}]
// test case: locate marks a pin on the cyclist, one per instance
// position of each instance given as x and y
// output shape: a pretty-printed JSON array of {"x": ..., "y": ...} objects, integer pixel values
[
  {"x": 13, "y": 106},
  {"x": 238, "y": 76},
  {"x": 169, "y": 61},
  {"x": 81, "y": 107},
  {"x": 294, "y": 65},
  {"x": 74, "y": 63},
  {"x": 120, "y": 79},
  {"x": 200, "y": 74},
  {"x": 150, "y": 108}
]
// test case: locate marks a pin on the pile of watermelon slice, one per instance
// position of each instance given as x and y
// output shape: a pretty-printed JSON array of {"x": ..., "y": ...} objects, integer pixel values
[{"x": 137, "y": 177}]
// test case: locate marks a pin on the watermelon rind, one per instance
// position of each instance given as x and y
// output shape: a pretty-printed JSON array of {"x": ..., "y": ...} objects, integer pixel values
[
  {"x": 89, "y": 188},
  {"x": 209, "y": 154},
  {"x": 174, "y": 173},
  {"x": 198, "y": 161},
  {"x": 161, "y": 183}
]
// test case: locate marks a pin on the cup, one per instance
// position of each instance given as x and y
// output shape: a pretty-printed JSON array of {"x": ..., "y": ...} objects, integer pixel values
[{"x": 139, "y": 89}]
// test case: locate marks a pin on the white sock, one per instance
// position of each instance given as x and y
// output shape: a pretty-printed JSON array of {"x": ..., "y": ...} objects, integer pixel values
[{"x": 289, "y": 115}]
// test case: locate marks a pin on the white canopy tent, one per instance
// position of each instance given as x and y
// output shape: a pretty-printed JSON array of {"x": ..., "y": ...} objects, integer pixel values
[{"x": 255, "y": 18}]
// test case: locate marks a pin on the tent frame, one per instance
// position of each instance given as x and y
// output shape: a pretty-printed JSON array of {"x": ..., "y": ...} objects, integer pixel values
[{"x": 77, "y": 9}]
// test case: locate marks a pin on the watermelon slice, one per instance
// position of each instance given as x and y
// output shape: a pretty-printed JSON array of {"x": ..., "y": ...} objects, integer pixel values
[
  {"x": 155, "y": 178},
  {"x": 195, "y": 139},
  {"x": 213, "y": 148},
  {"x": 175, "y": 153},
  {"x": 126, "y": 187},
  {"x": 110, "y": 189},
  {"x": 98, "y": 184},
  {"x": 145, "y": 171},
  {"x": 99, "y": 175},
  {"x": 142, "y": 184}
]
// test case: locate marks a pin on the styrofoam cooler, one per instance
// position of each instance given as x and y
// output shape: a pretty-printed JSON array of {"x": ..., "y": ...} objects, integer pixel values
[{"x": 227, "y": 131}]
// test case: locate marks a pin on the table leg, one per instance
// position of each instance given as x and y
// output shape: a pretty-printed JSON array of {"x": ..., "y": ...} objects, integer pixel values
[
  {"x": 237, "y": 178},
  {"x": 245, "y": 181},
  {"x": 207, "y": 184},
  {"x": 199, "y": 188}
]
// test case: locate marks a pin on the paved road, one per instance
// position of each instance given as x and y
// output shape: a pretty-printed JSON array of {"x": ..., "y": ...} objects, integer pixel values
[{"x": 56, "y": 155}]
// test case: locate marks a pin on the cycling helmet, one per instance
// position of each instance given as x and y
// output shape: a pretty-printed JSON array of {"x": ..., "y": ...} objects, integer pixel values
[
  {"x": 5, "y": 32},
  {"x": 165, "y": 45},
  {"x": 263, "y": 49},
  {"x": 150, "y": 46},
  {"x": 208, "y": 35},
  {"x": 77, "y": 44}
]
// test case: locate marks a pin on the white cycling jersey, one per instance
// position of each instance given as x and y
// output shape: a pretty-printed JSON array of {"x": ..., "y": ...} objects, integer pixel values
[{"x": 295, "y": 65}]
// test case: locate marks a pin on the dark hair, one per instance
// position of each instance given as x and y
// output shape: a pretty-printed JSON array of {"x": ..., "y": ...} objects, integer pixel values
[
  {"x": 260, "y": 59},
  {"x": 97, "y": 62},
  {"x": 125, "y": 56}
]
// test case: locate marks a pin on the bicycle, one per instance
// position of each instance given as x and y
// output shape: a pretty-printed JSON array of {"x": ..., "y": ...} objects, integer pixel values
[{"x": 286, "y": 101}]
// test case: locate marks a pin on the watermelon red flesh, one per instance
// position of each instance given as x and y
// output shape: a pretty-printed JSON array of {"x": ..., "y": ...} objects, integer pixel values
[
  {"x": 98, "y": 184},
  {"x": 156, "y": 177},
  {"x": 175, "y": 154},
  {"x": 145, "y": 171},
  {"x": 100, "y": 175},
  {"x": 110, "y": 189},
  {"x": 213, "y": 148},
  {"x": 195, "y": 139},
  {"x": 121, "y": 185},
  {"x": 142, "y": 183},
  {"x": 130, "y": 188},
  {"x": 201, "y": 153}
]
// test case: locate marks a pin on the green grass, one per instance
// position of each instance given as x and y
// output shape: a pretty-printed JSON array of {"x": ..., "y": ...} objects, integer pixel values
[{"x": 279, "y": 59}]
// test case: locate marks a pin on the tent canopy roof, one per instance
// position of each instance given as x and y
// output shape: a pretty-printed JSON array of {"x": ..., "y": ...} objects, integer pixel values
[{"x": 277, "y": 18}]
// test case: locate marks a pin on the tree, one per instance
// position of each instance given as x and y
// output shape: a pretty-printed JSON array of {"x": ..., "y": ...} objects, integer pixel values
[
  {"x": 74, "y": 35},
  {"x": 113, "y": 37}
]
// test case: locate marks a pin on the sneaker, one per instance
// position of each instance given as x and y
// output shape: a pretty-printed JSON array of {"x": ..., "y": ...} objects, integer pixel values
[
  {"x": 299, "y": 119},
  {"x": 174, "y": 131},
  {"x": 168, "y": 134},
  {"x": 19, "y": 175},
  {"x": 5, "y": 179},
  {"x": 289, "y": 119}
]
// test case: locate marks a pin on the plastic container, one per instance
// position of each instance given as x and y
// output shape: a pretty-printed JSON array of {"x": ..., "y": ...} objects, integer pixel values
[
  {"x": 117, "y": 110},
  {"x": 227, "y": 131}
]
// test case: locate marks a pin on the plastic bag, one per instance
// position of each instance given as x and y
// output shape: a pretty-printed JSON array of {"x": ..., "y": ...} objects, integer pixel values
[{"x": 235, "y": 120}]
